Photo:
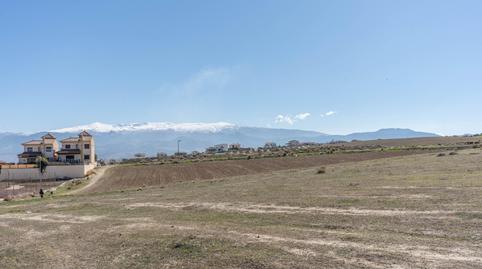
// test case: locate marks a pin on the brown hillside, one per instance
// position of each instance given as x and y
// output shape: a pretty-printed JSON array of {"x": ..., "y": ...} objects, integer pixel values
[{"x": 133, "y": 176}]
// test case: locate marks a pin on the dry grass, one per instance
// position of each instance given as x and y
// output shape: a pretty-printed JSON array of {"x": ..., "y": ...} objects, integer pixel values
[
  {"x": 383, "y": 213},
  {"x": 135, "y": 176}
]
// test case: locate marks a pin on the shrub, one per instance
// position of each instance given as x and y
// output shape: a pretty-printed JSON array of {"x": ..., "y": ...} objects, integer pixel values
[
  {"x": 441, "y": 155},
  {"x": 42, "y": 163},
  {"x": 453, "y": 153},
  {"x": 321, "y": 170}
]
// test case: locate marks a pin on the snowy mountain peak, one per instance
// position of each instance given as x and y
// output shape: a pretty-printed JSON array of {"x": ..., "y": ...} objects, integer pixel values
[{"x": 149, "y": 126}]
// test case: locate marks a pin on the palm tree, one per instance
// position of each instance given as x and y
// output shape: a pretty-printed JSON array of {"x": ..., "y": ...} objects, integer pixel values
[{"x": 42, "y": 163}]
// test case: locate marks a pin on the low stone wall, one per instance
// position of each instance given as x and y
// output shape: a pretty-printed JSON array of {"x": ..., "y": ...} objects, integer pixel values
[{"x": 51, "y": 172}]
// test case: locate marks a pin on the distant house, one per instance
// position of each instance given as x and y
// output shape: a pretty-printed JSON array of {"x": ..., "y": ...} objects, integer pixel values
[
  {"x": 234, "y": 147},
  {"x": 161, "y": 155},
  {"x": 270, "y": 145},
  {"x": 293, "y": 143},
  {"x": 220, "y": 148},
  {"x": 211, "y": 150},
  {"x": 180, "y": 154},
  {"x": 78, "y": 150},
  {"x": 46, "y": 147},
  {"x": 75, "y": 158}
]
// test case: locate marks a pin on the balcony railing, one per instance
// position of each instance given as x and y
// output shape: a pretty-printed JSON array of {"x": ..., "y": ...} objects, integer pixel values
[{"x": 68, "y": 162}]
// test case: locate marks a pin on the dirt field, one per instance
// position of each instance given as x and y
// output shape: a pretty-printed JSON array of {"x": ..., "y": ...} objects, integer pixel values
[
  {"x": 22, "y": 189},
  {"x": 417, "y": 211},
  {"x": 444, "y": 141},
  {"x": 128, "y": 177}
]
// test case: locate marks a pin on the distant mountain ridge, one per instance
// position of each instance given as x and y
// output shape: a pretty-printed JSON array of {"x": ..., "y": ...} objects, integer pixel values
[
  {"x": 388, "y": 133},
  {"x": 148, "y": 126},
  {"x": 124, "y": 140}
]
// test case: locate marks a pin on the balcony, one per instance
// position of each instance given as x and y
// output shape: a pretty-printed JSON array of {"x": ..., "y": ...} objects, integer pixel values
[
  {"x": 68, "y": 162},
  {"x": 69, "y": 151}
]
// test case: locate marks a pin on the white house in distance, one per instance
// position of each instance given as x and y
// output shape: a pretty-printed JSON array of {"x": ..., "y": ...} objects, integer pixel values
[
  {"x": 74, "y": 150},
  {"x": 75, "y": 159},
  {"x": 78, "y": 150},
  {"x": 46, "y": 147}
]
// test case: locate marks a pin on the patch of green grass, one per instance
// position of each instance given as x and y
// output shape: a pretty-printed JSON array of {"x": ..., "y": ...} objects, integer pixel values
[{"x": 72, "y": 185}]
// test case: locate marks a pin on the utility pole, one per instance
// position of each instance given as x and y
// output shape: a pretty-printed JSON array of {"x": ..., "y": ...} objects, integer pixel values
[{"x": 178, "y": 142}]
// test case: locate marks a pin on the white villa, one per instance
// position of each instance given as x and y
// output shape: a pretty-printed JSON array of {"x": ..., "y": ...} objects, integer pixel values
[
  {"x": 75, "y": 158},
  {"x": 46, "y": 147},
  {"x": 79, "y": 149},
  {"x": 74, "y": 150}
]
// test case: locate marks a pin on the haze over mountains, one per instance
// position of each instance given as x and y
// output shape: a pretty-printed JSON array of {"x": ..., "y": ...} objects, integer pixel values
[{"x": 124, "y": 140}]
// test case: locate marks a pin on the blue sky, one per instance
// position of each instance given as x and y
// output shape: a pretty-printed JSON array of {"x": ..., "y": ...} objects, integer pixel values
[{"x": 331, "y": 66}]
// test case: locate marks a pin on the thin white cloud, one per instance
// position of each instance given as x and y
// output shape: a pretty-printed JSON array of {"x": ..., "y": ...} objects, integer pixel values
[
  {"x": 280, "y": 119},
  {"x": 327, "y": 114},
  {"x": 211, "y": 78},
  {"x": 207, "y": 79},
  {"x": 284, "y": 119},
  {"x": 302, "y": 116}
]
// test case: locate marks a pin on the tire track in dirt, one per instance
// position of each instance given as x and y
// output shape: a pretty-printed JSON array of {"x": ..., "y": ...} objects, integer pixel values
[
  {"x": 54, "y": 218},
  {"x": 307, "y": 247},
  {"x": 276, "y": 209}
]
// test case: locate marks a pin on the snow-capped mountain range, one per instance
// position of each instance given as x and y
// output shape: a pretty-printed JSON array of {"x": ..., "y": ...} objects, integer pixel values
[
  {"x": 149, "y": 126},
  {"x": 115, "y": 141}
]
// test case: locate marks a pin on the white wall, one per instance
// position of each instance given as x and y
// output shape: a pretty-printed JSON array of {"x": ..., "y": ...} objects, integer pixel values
[{"x": 52, "y": 172}]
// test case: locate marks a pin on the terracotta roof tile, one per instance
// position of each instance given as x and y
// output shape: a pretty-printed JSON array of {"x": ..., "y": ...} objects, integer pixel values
[
  {"x": 48, "y": 136},
  {"x": 70, "y": 139},
  {"x": 84, "y": 133},
  {"x": 33, "y": 142}
]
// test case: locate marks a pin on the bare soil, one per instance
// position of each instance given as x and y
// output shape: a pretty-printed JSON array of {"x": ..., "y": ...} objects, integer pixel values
[
  {"x": 135, "y": 176},
  {"x": 415, "y": 211},
  {"x": 24, "y": 189}
]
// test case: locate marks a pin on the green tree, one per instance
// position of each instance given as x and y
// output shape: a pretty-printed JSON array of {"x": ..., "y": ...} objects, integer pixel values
[{"x": 42, "y": 163}]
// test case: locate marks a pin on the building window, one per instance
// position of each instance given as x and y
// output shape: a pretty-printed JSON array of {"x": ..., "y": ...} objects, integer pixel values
[
  {"x": 29, "y": 149},
  {"x": 67, "y": 146},
  {"x": 48, "y": 149},
  {"x": 86, "y": 146},
  {"x": 86, "y": 157}
]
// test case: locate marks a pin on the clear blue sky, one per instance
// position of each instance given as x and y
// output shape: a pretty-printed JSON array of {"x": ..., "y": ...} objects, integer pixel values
[{"x": 372, "y": 64}]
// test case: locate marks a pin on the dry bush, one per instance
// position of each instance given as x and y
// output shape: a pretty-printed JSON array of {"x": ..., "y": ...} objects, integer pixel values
[
  {"x": 453, "y": 153},
  {"x": 321, "y": 170},
  {"x": 441, "y": 155},
  {"x": 90, "y": 173}
]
